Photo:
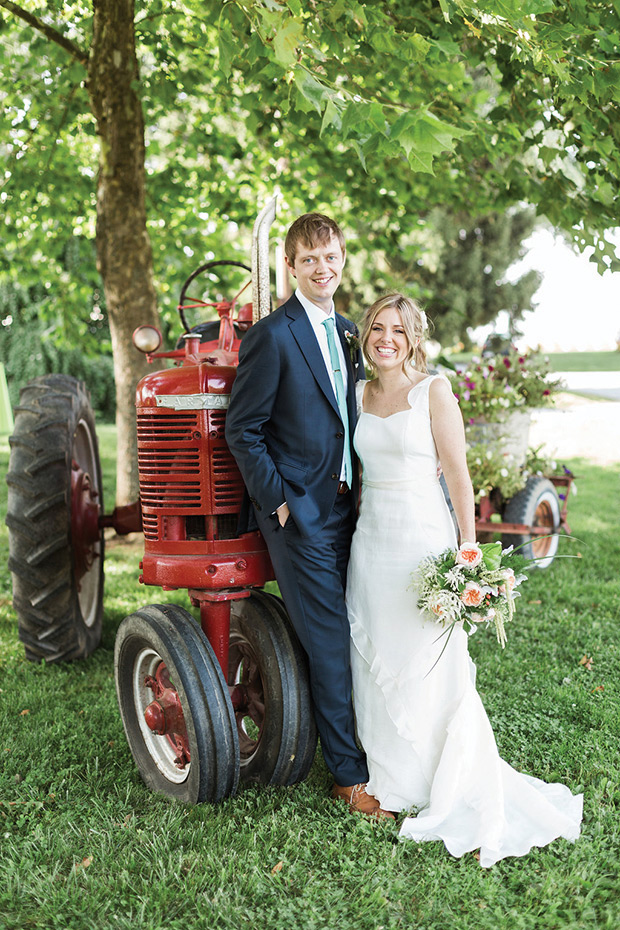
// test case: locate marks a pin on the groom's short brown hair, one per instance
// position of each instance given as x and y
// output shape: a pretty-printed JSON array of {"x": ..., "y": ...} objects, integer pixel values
[{"x": 311, "y": 229}]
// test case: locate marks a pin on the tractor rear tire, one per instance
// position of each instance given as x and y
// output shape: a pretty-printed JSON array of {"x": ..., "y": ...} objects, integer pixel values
[
  {"x": 277, "y": 732},
  {"x": 536, "y": 505},
  {"x": 164, "y": 640},
  {"x": 57, "y": 572}
]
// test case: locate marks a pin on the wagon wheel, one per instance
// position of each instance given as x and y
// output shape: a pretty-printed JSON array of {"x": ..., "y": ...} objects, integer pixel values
[
  {"x": 54, "y": 502},
  {"x": 175, "y": 706},
  {"x": 268, "y": 673},
  {"x": 536, "y": 505}
]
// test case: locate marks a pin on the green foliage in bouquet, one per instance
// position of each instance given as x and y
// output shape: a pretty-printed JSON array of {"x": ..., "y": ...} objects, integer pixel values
[{"x": 472, "y": 585}]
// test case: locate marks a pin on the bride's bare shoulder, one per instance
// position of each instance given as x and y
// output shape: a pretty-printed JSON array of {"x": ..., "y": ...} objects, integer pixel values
[
  {"x": 440, "y": 392},
  {"x": 439, "y": 382}
]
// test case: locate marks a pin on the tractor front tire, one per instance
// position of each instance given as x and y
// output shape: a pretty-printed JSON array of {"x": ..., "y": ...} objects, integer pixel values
[
  {"x": 162, "y": 654},
  {"x": 536, "y": 505},
  {"x": 276, "y": 727},
  {"x": 56, "y": 548}
]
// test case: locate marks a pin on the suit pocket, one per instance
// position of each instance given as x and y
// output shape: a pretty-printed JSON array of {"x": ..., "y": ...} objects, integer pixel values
[{"x": 293, "y": 474}]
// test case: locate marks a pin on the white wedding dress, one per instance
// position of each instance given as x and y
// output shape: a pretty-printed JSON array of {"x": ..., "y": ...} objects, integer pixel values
[{"x": 429, "y": 744}]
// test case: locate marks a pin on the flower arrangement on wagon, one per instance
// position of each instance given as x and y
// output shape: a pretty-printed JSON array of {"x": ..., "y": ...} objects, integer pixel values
[
  {"x": 469, "y": 586},
  {"x": 537, "y": 463},
  {"x": 489, "y": 389},
  {"x": 493, "y": 471}
]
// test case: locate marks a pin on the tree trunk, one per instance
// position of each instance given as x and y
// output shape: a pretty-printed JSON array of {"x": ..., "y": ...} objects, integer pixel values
[{"x": 124, "y": 254}]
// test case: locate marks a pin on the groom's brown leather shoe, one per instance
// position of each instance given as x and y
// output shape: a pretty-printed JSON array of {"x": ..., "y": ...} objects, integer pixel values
[{"x": 358, "y": 800}]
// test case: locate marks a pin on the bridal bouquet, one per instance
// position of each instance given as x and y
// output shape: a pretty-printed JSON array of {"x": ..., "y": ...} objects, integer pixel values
[{"x": 469, "y": 586}]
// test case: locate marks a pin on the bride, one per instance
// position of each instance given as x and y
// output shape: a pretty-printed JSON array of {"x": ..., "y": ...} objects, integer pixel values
[{"x": 430, "y": 748}]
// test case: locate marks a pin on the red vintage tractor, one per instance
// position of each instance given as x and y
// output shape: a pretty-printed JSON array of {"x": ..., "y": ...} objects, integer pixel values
[{"x": 202, "y": 706}]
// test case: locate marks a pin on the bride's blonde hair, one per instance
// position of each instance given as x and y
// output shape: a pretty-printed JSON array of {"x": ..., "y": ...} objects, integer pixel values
[{"x": 414, "y": 324}]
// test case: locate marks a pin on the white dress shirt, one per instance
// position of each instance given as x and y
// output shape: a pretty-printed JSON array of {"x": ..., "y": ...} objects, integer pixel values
[{"x": 316, "y": 317}]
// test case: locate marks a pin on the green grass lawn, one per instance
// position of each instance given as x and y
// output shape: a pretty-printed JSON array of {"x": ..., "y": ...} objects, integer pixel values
[
  {"x": 585, "y": 361},
  {"x": 84, "y": 844},
  {"x": 567, "y": 361}
]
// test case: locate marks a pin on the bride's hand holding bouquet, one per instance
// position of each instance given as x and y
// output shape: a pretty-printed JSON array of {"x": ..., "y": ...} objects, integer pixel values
[{"x": 469, "y": 586}]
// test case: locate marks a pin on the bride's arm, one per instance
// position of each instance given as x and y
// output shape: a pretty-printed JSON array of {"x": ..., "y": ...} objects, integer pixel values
[{"x": 449, "y": 436}]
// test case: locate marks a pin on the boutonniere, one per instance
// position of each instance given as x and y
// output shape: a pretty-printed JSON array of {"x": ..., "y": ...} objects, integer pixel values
[{"x": 353, "y": 344}]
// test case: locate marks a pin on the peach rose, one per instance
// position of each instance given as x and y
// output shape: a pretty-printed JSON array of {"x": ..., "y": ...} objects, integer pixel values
[
  {"x": 472, "y": 595},
  {"x": 510, "y": 582},
  {"x": 469, "y": 554}
]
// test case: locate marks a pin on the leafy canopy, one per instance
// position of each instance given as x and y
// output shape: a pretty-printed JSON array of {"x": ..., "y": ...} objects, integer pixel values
[{"x": 378, "y": 112}]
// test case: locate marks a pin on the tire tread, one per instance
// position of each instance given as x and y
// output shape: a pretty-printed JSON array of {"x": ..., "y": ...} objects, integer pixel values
[
  {"x": 172, "y": 632},
  {"x": 522, "y": 509},
  {"x": 45, "y": 593}
]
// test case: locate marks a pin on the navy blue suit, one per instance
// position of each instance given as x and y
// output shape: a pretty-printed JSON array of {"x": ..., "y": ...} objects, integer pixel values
[{"x": 284, "y": 429}]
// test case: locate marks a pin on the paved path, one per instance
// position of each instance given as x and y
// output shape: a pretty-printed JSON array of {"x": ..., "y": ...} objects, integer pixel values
[
  {"x": 578, "y": 427},
  {"x": 595, "y": 383}
]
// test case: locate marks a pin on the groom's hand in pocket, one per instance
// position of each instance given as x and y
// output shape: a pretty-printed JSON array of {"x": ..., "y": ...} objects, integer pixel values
[{"x": 283, "y": 513}]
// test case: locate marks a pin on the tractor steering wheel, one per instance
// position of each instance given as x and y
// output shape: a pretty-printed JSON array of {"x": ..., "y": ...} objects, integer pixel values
[{"x": 200, "y": 302}]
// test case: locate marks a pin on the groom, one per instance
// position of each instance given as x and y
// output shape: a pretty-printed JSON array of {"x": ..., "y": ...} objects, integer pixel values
[{"x": 289, "y": 425}]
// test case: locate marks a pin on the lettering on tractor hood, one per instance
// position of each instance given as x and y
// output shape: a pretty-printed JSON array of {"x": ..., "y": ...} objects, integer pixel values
[{"x": 193, "y": 401}]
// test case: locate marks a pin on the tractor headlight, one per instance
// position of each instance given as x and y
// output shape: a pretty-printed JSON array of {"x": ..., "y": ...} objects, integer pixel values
[{"x": 147, "y": 339}]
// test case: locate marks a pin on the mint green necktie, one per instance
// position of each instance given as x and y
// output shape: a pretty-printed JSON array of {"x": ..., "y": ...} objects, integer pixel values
[{"x": 340, "y": 395}]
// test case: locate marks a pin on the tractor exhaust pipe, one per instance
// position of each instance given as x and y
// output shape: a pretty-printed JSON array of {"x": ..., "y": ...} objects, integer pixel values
[{"x": 261, "y": 297}]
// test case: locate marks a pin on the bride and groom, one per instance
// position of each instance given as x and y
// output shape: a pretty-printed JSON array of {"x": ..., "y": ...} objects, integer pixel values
[{"x": 300, "y": 418}]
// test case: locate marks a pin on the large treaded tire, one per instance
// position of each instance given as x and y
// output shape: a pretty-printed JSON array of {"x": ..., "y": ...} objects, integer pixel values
[
  {"x": 307, "y": 734},
  {"x": 277, "y": 731},
  {"x": 536, "y": 505},
  {"x": 58, "y": 604},
  {"x": 164, "y": 637}
]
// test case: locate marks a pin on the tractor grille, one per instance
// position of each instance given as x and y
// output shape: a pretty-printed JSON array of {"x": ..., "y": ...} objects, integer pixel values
[
  {"x": 168, "y": 427},
  {"x": 169, "y": 494},
  {"x": 158, "y": 485},
  {"x": 182, "y": 462},
  {"x": 149, "y": 525},
  {"x": 227, "y": 481},
  {"x": 187, "y": 472}
]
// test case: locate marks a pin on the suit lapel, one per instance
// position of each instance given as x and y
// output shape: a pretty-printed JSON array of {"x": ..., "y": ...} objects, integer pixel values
[{"x": 303, "y": 334}]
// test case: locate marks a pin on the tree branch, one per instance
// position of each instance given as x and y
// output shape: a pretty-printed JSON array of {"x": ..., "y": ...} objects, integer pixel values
[{"x": 74, "y": 50}]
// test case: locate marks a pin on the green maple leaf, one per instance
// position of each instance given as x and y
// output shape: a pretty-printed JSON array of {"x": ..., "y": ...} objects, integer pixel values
[
  {"x": 311, "y": 93},
  {"x": 286, "y": 42},
  {"x": 227, "y": 48},
  {"x": 420, "y": 161},
  {"x": 422, "y": 137},
  {"x": 332, "y": 114}
]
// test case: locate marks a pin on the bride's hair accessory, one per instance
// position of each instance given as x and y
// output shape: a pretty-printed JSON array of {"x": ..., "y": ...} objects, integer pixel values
[{"x": 423, "y": 320}]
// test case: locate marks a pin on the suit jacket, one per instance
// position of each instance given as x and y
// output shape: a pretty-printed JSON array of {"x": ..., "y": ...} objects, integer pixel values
[{"x": 283, "y": 424}]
